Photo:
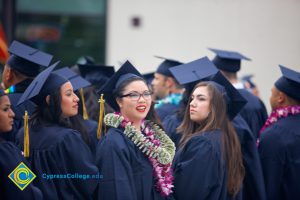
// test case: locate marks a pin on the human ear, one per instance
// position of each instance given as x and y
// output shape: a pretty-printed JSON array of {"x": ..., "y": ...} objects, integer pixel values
[{"x": 48, "y": 99}]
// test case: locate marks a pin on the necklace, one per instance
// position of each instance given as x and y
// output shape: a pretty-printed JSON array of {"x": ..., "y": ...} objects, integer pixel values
[
  {"x": 276, "y": 114},
  {"x": 155, "y": 144}
]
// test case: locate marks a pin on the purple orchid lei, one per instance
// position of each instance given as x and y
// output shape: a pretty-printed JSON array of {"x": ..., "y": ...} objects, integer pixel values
[
  {"x": 276, "y": 114},
  {"x": 155, "y": 144}
]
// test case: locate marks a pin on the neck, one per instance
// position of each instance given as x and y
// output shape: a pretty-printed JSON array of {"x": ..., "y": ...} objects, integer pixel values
[{"x": 135, "y": 123}]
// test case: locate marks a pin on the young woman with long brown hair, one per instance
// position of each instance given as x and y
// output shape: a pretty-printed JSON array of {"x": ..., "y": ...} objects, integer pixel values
[{"x": 209, "y": 162}]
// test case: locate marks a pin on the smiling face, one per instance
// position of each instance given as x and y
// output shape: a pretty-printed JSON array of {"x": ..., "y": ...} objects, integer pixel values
[
  {"x": 69, "y": 100},
  {"x": 200, "y": 104},
  {"x": 133, "y": 105},
  {"x": 6, "y": 114}
]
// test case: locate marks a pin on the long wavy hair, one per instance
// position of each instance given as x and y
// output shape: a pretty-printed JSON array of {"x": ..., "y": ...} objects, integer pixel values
[
  {"x": 217, "y": 119},
  {"x": 52, "y": 114}
]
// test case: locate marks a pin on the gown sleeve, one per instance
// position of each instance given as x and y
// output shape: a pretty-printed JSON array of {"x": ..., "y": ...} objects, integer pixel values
[
  {"x": 198, "y": 171},
  {"x": 273, "y": 157},
  {"x": 113, "y": 161}
]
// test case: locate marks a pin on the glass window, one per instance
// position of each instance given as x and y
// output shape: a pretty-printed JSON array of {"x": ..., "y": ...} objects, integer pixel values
[{"x": 68, "y": 29}]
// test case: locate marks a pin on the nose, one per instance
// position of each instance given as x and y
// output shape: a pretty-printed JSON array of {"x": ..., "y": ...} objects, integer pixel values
[
  {"x": 76, "y": 99},
  {"x": 11, "y": 113},
  {"x": 192, "y": 103}
]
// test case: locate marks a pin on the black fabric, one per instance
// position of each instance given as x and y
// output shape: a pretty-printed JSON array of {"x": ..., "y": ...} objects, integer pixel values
[
  {"x": 254, "y": 112},
  {"x": 58, "y": 150},
  {"x": 200, "y": 170},
  {"x": 279, "y": 150},
  {"x": 11, "y": 157},
  {"x": 127, "y": 172}
]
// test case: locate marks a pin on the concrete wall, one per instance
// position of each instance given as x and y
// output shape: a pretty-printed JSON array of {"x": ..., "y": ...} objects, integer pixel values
[{"x": 267, "y": 31}]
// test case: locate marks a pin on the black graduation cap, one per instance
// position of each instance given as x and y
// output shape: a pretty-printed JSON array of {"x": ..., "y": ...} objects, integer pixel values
[
  {"x": 164, "y": 67},
  {"x": 247, "y": 78},
  {"x": 229, "y": 61},
  {"x": 203, "y": 69},
  {"x": 76, "y": 80},
  {"x": 289, "y": 82},
  {"x": 149, "y": 77},
  {"x": 44, "y": 84},
  {"x": 126, "y": 71},
  {"x": 235, "y": 101},
  {"x": 26, "y": 59},
  {"x": 96, "y": 74}
]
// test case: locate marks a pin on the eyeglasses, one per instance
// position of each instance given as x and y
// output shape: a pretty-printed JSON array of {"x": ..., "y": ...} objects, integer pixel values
[{"x": 135, "y": 96}]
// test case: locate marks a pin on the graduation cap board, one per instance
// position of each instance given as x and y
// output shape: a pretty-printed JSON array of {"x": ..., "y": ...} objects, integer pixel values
[
  {"x": 149, "y": 77},
  {"x": 26, "y": 59},
  {"x": 229, "y": 61},
  {"x": 164, "y": 67},
  {"x": 289, "y": 82},
  {"x": 44, "y": 84},
  {"x": 203, "y": 69},
  {"x": 126, "y": 71},
  {"x": 104, "y": 70},
  {"x": 76, "y": 80}
]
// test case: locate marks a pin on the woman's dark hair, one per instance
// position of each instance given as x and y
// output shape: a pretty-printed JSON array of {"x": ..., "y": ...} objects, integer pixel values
[
  {"x": 52, "y": 114},
  {"x": 119, "y": 92},
  {"x": 217, "y": 119}
]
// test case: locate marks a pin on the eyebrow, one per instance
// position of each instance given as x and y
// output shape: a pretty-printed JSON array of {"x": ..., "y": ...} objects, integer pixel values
[
  {"x": 199, "y": 95},
  {"x": 134, "y": 91}
]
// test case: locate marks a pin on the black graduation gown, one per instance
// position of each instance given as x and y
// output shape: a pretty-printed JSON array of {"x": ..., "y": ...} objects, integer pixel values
[
  {"x": 253, "y": 184},
  {"x": 166, "y": 110},
  {"x": 11, "y": 157},
  {"x": 200, "y": 170},
  {"x": 170, "y": 124},
  {"x": 254, "y": 112},
  {"x": 57, "y": 150},
  {"x": 92, "y": 127},
  {"x": 19, "y": 110},
  {"x": 279, "y": 150},
  {"x": 127, "y": 172}
]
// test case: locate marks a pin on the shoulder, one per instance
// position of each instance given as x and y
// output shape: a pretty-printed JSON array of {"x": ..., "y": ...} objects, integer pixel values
[
  {"x": 208, "y": 142},
  {"x": 115, "y": 138}
]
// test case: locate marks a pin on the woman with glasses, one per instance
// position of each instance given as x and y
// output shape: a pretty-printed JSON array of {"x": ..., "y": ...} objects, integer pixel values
[
  {"x": 135, "y": 155},
  {"x": 11, "y": 158}
]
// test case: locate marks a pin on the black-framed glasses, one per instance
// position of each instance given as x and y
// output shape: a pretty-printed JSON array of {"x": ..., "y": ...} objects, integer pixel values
[{"x": 135, "y": 96}]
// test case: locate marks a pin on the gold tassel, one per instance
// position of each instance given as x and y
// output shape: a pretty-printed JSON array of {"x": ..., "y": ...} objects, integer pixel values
[
  {"x": 101, "y": 115},
  {"x": 26, "y": 135},
  {"x": 85, "y": 114}
]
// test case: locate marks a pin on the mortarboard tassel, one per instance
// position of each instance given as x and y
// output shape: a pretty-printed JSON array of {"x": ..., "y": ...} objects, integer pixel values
[
  {"x": 85, "y": 114},
  {"x": 26, "y": 135},
  {"x": 101, "y": 115}
]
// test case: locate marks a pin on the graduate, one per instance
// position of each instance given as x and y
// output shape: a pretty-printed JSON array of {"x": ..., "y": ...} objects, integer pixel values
[
  {"x": 204, "y": 70},
  {"x": 11, "y": 157},
  {"x": 279, "y": 145},
  {"x": 89, "y": 129},
  {"x": 23, "y": 65},
  {"x": 229, "y": 63},
  {"x": 166, "y": 90},
  {"x": 52, "y": 144},
  {"x": 135, "y": 155}
]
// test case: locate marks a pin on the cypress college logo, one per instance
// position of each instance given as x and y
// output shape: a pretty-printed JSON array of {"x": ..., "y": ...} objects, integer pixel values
[{"x": 22, "y": 176}]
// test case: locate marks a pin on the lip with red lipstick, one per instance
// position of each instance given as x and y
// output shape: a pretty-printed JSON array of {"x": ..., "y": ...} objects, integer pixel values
[{"x": 141, "y": 108}]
